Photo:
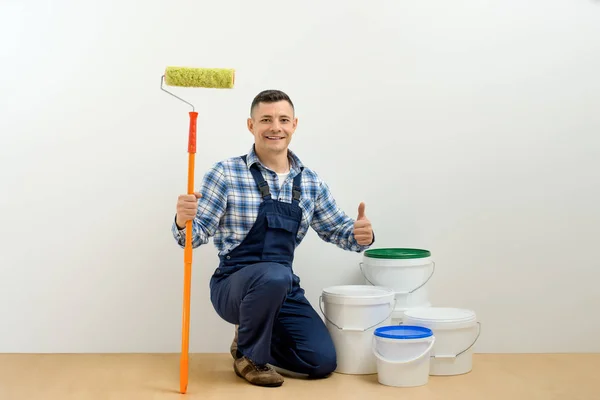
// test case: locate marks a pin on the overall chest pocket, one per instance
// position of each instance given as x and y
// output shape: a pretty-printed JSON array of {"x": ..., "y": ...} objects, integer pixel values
[
  {"x": 276, "y": 221},
  {"x": 280, "y": 238}
]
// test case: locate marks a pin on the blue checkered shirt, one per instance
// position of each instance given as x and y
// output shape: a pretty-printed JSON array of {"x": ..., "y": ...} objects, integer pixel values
[{"x": 230, "y": 201}]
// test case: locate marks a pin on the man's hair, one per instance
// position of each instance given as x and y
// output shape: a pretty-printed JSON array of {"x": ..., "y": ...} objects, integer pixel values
[{"x": 270, "y": 96}]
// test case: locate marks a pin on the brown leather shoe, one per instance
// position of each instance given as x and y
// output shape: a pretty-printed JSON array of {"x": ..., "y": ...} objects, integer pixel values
[
  {"x": 259, "y": 375},
  {"x": 233, "y": 348}
]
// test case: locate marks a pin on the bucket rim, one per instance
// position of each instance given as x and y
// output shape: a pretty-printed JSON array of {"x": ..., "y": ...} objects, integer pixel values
[
  {"x": 403, "y": 332},
  {"x": 397, "y": 253},
  {"x": 436, "y": 315},
  {"x": 382, "y": 291}
]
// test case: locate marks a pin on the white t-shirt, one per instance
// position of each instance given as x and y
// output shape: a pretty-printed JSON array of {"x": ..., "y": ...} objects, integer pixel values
[{"x": 282, "y": 178}]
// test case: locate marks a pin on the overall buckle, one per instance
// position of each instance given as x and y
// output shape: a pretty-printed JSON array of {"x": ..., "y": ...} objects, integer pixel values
[
  {"x": 296, "y": 193},
  {"x": 264, "y": 189}
]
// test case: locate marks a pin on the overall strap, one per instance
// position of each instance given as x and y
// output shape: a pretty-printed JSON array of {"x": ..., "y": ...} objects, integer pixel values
[
  {"x": 263, "y": 186},
  {"x": 296, "y": 191}
]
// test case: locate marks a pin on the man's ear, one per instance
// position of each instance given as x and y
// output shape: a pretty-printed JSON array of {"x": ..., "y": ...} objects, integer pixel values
[{"x": 250, "y": 125}]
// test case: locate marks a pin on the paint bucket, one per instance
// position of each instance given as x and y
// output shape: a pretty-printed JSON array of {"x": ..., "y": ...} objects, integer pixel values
[
  {"x": 456, "y": 332},
  {"x": 403, "y": 355},
  {"x": 351, "y": 315},
  {"x": 404, "y": 270}
]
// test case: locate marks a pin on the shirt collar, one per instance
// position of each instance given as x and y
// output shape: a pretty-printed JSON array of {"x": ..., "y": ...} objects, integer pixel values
[{"x": 295, "y": 164}]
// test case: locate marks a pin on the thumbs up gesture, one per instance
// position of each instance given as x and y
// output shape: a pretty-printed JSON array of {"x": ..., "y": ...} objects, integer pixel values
[{"x": 363, "y": 232}]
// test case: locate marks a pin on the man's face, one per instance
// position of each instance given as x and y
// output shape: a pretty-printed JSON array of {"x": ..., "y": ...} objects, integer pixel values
[{"x": 273, "y": 125}]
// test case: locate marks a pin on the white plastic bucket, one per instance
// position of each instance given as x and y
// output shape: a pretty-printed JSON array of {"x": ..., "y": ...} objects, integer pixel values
[
  {"x": 405, "y": 270},
  {"x": 403, "y": 355},
  {"x": 351, "y": 314},
  {"x": 456, "y": 331}
]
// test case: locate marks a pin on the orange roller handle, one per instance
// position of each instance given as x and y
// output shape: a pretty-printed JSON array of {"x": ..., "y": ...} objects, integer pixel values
[{"x": 187, "y": 262}]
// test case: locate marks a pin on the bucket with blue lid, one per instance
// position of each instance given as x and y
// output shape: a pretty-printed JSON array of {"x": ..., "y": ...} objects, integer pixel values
[{"x": 403, "y": 354}]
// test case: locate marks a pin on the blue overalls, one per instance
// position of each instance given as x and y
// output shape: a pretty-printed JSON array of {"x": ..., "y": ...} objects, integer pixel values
[{"x": 255, "y": 287}]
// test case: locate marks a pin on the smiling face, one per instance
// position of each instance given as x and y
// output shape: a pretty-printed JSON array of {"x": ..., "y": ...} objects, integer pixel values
[{"x": 272, "y": 124}]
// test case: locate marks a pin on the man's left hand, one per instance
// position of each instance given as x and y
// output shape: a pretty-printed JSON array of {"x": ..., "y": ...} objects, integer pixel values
[{"x": 363, "y": 232}]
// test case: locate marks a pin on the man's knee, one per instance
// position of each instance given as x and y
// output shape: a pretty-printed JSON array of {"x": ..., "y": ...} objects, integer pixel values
[
  {"x": 275, "y": 277},
  {"x": 325, "y": 364}
]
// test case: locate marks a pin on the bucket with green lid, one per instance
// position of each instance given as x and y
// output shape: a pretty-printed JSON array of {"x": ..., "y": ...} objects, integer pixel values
[{"x": 404, "y": 270}]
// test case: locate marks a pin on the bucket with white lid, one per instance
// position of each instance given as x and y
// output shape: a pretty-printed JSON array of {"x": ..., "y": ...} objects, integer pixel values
[
  {"x": 403, "y": 355},
  {"x": 456, "y": 331},
  {"x": 352, "y": 313},
  {"x": 405, "y": 270}
]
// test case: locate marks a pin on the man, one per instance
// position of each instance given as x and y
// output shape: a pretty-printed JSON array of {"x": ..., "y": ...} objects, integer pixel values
[{"x": 258, "y": 207}]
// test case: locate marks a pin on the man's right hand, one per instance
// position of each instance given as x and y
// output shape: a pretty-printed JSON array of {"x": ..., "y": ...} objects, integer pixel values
[{"x": 187, "y": 207}]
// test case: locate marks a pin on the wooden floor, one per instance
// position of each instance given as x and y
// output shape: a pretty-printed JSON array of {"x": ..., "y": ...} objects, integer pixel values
[{"x": 149, "y": 377}]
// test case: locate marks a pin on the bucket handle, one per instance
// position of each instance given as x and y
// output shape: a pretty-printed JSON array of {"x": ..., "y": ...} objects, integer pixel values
[
  {"x": 404, "y": 361},
  {"x": 352, "y": 329},
  {"x": 417, "y": 288},
  {"x": 465, "y": 350}
]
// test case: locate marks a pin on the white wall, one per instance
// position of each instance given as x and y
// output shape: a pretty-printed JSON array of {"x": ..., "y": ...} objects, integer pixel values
[{"x": 469, "y": 128}]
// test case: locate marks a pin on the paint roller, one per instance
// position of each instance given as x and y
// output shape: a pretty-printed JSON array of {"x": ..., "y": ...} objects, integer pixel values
[{"x": 212, "y": 78}]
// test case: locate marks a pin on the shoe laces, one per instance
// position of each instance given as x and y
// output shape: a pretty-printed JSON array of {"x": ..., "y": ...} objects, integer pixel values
[{"x": 262, "y": 368}]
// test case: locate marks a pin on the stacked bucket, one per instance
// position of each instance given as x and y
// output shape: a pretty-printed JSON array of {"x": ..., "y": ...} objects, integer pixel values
[
  {"x": 389, "y": 327},
  {"x": 405, "y": 271}
]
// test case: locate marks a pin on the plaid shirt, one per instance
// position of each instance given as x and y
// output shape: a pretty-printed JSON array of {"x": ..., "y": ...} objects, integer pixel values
[{"x": 230, "y": 200}]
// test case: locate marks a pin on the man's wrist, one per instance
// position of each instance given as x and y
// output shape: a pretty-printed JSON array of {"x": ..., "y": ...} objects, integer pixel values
[{"x": 178, "y": 225}]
